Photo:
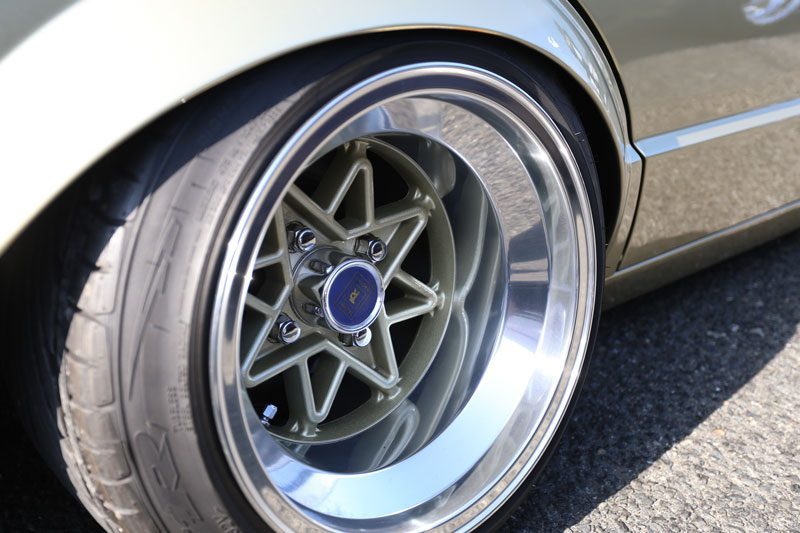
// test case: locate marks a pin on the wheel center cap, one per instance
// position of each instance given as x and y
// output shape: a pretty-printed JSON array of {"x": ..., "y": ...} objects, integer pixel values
[{"x": 352, "y": 296}]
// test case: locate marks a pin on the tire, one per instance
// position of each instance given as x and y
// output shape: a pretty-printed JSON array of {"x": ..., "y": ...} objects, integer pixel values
[{"x": 124, "y": 378}]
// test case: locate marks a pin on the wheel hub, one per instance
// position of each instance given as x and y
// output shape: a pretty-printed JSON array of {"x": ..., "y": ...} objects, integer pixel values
[
  {"x": 352, "y": 296},
  {"x": 337, "y": 291}
]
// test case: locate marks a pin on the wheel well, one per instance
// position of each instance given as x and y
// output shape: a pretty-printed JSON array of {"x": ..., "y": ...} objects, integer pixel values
[{"x": 598, "y": 132}]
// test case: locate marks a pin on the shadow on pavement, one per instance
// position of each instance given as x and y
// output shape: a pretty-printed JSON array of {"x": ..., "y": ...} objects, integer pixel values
[{"x": 663, "y": 364}]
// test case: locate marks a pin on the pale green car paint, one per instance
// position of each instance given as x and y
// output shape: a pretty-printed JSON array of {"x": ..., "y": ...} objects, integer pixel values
[
  {"x": 711, "y": 93},
  {"x": 714, "y": 95},
  {"x": 99, "y": 71}
]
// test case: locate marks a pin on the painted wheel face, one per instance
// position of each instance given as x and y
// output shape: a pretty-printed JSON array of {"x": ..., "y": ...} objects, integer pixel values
[
  {"x": 404, "y": 306},
  {"x": 370, "y": 298}
]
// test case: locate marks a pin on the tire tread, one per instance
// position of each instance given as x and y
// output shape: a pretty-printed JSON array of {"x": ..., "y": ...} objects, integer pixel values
[{"x": 92, "y": 443}]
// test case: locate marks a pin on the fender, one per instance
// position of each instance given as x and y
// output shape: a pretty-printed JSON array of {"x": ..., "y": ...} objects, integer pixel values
[{"x": 97, "y": 71}]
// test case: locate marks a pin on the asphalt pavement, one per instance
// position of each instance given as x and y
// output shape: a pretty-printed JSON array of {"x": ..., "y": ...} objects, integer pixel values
[{"x": 689, "y": 420}]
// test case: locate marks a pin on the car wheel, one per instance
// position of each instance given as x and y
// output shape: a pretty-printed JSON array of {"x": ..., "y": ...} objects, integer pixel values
[{"x": 349, "y": 291}]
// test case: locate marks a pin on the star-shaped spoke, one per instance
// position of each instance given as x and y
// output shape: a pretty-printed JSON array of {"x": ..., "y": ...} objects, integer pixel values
[
  {"x": 347, "y": 187},
  {"x": 337, "y": 204}
]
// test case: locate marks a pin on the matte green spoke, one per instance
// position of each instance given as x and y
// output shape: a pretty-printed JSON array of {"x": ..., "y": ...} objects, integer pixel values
[
  {"x": 389, "y": 217},
  {"x": 269, "y": 259},
  {"x": 314, "y": 215},
  {"x": 251, "y": 351},
  {"x": 400, "y": 242},
  {"x": 311, "y": 396},
  {"x": 419, "y": 299},
  {"x": 377, "y": 378},
  {"x": 348, "y": 182},
  {"x": 383, "y": 350},
  {"x": 272, "y": 359},
  {"x": 271, "y": 285},
  {"x": 268, "y": 315},
  {"x": 260, "y": 306},
  {"x": 311, "y": 392},
  {"x": 274, "y": 249}
]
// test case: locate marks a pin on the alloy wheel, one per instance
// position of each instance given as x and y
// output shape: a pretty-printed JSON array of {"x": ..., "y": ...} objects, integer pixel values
[{"x": 408, "y": 291}]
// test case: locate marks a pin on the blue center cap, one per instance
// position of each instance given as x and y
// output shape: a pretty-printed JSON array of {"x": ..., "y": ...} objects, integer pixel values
[{"x": 352, "y": 296}]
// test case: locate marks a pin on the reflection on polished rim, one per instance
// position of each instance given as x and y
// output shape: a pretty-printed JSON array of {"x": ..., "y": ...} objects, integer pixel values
[{"x": 517, "y": 328}]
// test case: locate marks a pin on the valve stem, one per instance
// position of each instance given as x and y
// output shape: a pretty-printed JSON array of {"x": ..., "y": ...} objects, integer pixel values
[{"x": 268, "y": 414}]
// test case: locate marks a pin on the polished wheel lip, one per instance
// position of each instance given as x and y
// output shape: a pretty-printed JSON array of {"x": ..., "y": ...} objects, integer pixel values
[
  {"x": 578, "y": 225},
  {"x": 330, "y": 315}
]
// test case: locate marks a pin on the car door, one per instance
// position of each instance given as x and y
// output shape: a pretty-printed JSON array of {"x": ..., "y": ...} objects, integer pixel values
[{"x": 713, "y": 92}]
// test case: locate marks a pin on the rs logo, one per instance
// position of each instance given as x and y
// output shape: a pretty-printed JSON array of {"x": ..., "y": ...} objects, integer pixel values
[{"x": 353, "y": 296}]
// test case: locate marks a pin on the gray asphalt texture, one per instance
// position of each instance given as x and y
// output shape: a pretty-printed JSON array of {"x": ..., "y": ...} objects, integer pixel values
[{"x": 689, "y": 420}]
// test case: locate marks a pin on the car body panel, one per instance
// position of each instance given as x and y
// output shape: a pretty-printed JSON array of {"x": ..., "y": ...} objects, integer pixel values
[
  {"x": 684, "y": 62},
  {"x": 18, "y": 20},
  {"x": 75, "y": 88},
  {"x": 710, "y": 177},
  {"x": 711, "y": 96},
  {"x": 644, "y": 276},
  {"x": 713, "y": 93}
]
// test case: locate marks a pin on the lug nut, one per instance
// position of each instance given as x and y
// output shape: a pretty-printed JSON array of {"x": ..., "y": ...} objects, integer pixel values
[
  {"x": 301, "y": 238},
  {"x": 285, "y": 331},
  {"x": 314, "y": 310},
  {"x": 371, "y": 248},
  {"x": 359, "y": 338},
  {"x": 320, "y": 267}
]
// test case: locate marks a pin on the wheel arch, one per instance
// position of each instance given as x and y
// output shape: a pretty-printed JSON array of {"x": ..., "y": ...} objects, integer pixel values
[{"x": 124, "y": 81}]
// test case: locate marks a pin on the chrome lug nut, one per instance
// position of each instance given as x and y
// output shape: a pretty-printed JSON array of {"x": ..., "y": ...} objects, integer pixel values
[
  {"x": 301, "y": 238},
  {"x": 359, "y": 338},
  {"x": 285, "y": 331},
  {"x": 371, "y": 248},
  {"x": 362, "y": 338}
]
